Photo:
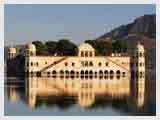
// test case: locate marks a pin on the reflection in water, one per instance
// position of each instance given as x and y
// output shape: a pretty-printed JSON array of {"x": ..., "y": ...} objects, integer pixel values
[
  {"x": 12, "y": 94},
  {"x": 88, "y": 93},
  {"x": 84, "y": 90}
]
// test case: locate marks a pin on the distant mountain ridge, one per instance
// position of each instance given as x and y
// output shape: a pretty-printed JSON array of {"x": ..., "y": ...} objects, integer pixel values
[{"x": 144, "y": 25}]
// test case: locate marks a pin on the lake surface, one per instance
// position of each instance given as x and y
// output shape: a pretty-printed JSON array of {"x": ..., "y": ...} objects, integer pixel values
[{"x": 16, "y": 102}]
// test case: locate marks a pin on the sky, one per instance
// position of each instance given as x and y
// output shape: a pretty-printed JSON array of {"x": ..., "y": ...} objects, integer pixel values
[{"x": 26, "y": 23}]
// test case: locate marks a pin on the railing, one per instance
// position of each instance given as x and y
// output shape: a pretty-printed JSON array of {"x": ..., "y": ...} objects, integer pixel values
[
  {"x": 54, "y": 63},
  {"x": 117, "y": 64}
]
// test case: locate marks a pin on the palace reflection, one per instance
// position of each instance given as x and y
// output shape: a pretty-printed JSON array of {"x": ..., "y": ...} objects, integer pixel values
[
  {"x": 87, "y": 92},
  {"x": 83, "y": 90}
]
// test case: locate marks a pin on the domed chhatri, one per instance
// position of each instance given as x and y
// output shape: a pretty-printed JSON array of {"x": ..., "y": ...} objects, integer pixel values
[{"x": 12, "y": 53}]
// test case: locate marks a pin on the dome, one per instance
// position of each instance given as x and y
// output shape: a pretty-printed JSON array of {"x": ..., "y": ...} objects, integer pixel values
[
  {"x": 85, "y": 47},
  {"x": 140, "y": 46},
  {"x": 31, "y": 47},
  {"x": 12, "y": 50}
]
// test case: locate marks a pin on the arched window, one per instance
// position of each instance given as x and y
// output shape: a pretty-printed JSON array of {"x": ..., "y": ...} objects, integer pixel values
[
  {"x": 90, "y": 54},
  {"x": 67, "y": 72},
  {"x": 100, "y": 64},
  {"x": 61, "y": 72},
  {"x": 72, "y": 72},
  {"x": 66, "y": 64},
  {"x": 106, "y": 72},
  {"x": 86, "y": 54},
  {"x": 106, "y": 63},
  {"x": 90, "y": 63},
  {"x": 100, "y": 72},
  {"x": 90, "y": 72},
  {"x": 86, "y": 72},
  {"x": 48, "y": 74},
  {"x": 82, "y": 54},
  {"x": 73, "y": 63},
  {"x": 86, "y": 63},
  {"x": 53, "y": 72},
  {"x": 123, "y": 74},
  {"x": 140, "y": 54},
  {"x": 118, "y": 72},
  {"x": 31, "y": 63},
  {"x": 141, "y": 75},
  {"x": 111, "y": 74},
  {"x": 82, "y": 72}
]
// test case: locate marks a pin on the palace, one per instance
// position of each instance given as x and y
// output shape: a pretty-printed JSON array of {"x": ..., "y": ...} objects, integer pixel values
[{"x": 86, "y": 74}]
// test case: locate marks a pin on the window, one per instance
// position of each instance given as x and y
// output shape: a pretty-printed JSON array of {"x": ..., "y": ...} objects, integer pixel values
[
  {"x": 86, "y": 63},
  {"x": 90, "y": 63},
  {"x": 37, "y": 63},
  {"x": 31, "y": 63},
  {"x": 66, "y": 64},
  {"x": 90, "y": 54},
  {"x": 73, "y": 64},
  {"x": 100, "y": 64},
  {"x": 123, "y": 74},
  {"x": 140, "y": 54},
  {"x": 106, "y": 63},
  {"x": 140, "y": 64},
  {"x": 82, "y": 54},
  {"x": 86, "y": 54},
  {"x": 82, "y": 63},
  {"x": 45, "y": 62}
]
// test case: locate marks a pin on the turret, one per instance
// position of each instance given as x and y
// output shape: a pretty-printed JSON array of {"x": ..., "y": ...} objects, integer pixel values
[
  {"x": 29, "y": 52},
  {"x": 139, "y": 70},
  {"x": 11, "y": 53}
]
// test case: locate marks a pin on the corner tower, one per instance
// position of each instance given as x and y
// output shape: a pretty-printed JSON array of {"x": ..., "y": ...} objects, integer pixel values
[
  {"x": 139, "y": 68},
  {"x": 29, "y": 52},
  {"x": 11, "y": 53}
]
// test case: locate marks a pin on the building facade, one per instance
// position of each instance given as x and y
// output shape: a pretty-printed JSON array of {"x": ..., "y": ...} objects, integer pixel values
[{"x": 86, "y": 75}]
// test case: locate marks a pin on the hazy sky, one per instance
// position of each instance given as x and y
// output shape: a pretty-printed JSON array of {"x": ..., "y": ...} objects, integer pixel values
[{"x": 24, "y": 23}]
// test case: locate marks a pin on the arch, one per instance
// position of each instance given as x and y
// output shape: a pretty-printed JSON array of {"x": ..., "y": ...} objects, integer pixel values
[
  {"x": 72, "y": 72},
  {"x": 86, "y": 72},
  {"x": 90, "y": 54},
  {"x": 124, "y": 74},
  {"x": 111, "y": 74},
  {"x": 99, "y": 64},
  {"x": 140, "y": 54},
  {"x": 54, "y": 72},
  {"x": 48, "y": 74},
  {"x": 118, "y": 74},
  {"x": 82, "y": 72},
  {"x": 82, "y": 54},
  {"x": 90, "y": 63},
  {"x": 31, "y": 63},
  {"x": 106, "y": 72},
  {"x": 86, "y": 53},
  {"x": 101, "y": 72},
  {"x": 61, "y": 72},
  {"x": 91, "y": 72},
  {"x": 67, "y": 72}
]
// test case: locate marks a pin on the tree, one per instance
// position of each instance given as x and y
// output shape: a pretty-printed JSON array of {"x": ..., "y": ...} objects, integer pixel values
[
  {"x": 65, "y": 47},
  {"x": 51, "y": 46},
  {"x": 101, "y": 47},
  {"x": 41, "y": 49},
  {"x": 120, "y": 46}
]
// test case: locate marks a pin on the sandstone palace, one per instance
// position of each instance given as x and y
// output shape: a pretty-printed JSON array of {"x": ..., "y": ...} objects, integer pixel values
[{"x": 85, "y": 75}]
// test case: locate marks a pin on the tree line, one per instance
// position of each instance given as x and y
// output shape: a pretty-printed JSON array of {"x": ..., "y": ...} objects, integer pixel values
[{"x": 66, "y": 47}]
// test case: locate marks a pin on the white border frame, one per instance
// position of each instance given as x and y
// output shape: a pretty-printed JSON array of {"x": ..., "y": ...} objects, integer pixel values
[{"x": 157, "y": 2}]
